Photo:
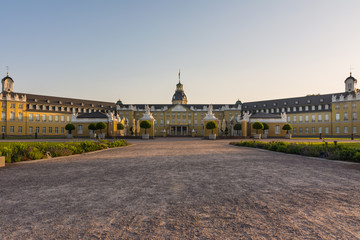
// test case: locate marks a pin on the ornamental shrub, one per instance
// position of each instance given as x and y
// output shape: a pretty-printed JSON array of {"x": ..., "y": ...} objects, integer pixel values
[
  {"x": 120, "y": 126},
  {"x": 237, "y": 127},
  {"x": 287, "y": 127},
  {"x": 92, "y": 126},
  {"x": 257, "y": 126},
  {"x": 100, "y": 126},
  {"x": 145, "y": 124},
  {"x": 70, "y": 127},
  {"x": 211, "y": 125},
  {"x": 266, "y": 127}
]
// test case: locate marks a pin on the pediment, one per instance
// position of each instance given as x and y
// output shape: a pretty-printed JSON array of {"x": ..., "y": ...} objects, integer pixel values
[{"x": 178, "y": 108}]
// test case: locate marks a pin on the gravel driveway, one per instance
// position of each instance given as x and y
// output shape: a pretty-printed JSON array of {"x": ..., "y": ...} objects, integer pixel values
[{"x": 180, "y": 189}]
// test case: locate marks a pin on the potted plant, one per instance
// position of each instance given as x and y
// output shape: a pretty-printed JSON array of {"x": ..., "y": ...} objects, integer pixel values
[
  {"x": 266, "y": 127},
  {"x": 100, "y": 126},
  {"x": 257, "y": 126},
  {"x": 92, "y": 128},
  {"x": 237, "y": 127},
  {"x": 288, "y": 128},
  {"x": 145, "y": 124},
  {"x": 120, "y": 127},
  {"x": 69, "y": 127},
  {"x": 211, "y": 125}
]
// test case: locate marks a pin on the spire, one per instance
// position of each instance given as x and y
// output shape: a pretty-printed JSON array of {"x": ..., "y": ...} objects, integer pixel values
[
  {"x": 350, "y": 74},
  {"x": 179, "y": 75},
  {"x": 7, "y": 71}
]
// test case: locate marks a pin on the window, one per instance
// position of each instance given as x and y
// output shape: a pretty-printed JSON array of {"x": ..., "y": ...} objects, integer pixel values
[
  {"x": 294, "y": 130},
  {"x": 20, "y": 106},
  {"x": 313, "y": 118},
  {"x": 56, "y": 118},
  {"x": 320, "y": 129},
  {"x": 272, "y": 110},
  {"x": 277, "y": 129},
  {"x": 306, "y": 118},
  {"x": 319, "y": 118},
  {"x": 20, "y": 129},
  {"x": 56, "y": 130},
  {"x": 337, "y": 129},
  {"x": 3, "y": 129},
  {"x": 345, "y": 106},
  {"x": 326, "y": 129},
  {"x": 346, "y": 130},
  {"x": 12, "y": 105},
  {"x": 277, "y": 110},
  {"x": 354, "y": 130},
  {"x": 44, "y": 130},
  {"x": 313, "y": 108},
  {"x": 37, "y": 117},
  {"x": 337, "y": 107},
  {"x": 11, "y": 129},
  {"x": 30, "y": 129},
  {"x": 294, "y": 109},
  {"x": 62, "y": 130},
  {"x": 346, "y": 116},
  {"x": 307, "y": 130},
  {"x": 326, "y": 117},
  {"x": 20, "y": 116},
  {"x": 3, "y": 105},
  {"x": 161, "y": 121},
  {"x": 326, "y": 106},
  {"x": 353, "y": 105},
  {"x": 80, "y": 129},
  {"x": 62, "y": 118},
  {"x": 300, "y": 108},
  {"x": 301, "y": 130},
  {"x": 50, "y": 129},
  {"x": 196, "y": 122},
  {"x": 31, "y": 117},
  {"x": 50, "y": 118},
  {"x": 289, "y": 119},
  {"x": 37, "y": 129},
  {"x": 178, "y": 120},
  {"x": 12, "y": 115},
  {"x": 288, "y": 109},
  {"x": 306, "y": 108},
  {"x": 354, "y": 116},
  {"x": 68, "y": 118},
  {"x": 189, "y": 121},
  {"x": 44, "y": 118},
  {"x": 337, "y": 117},
  {"x": 294, "y": 119},
  {"x": 319, "y": 107},
  {"x": 300, "y": 119},
  {"x": 312, "y": 130}
]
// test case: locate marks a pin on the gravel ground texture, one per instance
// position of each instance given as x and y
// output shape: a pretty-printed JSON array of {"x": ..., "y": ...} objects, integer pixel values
[{"x": 180, "y": 188}]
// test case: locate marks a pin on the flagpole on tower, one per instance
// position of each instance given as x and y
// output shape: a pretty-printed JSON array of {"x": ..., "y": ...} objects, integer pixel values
[{"x": 179, "y": 75}]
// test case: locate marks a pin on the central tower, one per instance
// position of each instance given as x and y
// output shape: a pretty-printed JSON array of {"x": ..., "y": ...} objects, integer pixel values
[{"x": 179, "y": 96}]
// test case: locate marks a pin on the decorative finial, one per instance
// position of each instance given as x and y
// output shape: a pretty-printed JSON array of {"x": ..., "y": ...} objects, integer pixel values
[
  {"x": 350, "y": 74},
  {"x": 179, "y": 75},
  {"x": 7, "y": 70}
]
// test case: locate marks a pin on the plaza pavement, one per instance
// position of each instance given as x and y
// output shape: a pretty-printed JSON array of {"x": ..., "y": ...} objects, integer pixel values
[{"x": 180, "y": 188}]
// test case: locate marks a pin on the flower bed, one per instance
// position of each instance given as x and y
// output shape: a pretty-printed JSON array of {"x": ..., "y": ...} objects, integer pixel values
[
  {"x": 323, "y": 150},
  {"x": 24, "y": 151}
]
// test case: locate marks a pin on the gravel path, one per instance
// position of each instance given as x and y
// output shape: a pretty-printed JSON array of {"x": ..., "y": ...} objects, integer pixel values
[{"x": 180, "y": 189}]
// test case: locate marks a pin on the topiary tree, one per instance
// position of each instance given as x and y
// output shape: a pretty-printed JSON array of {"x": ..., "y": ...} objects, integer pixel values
[
  {"x": 69, "y": 127},
  {"x": 266, "y": 127},
  {"x": 287, "y": 127},
  {"x": 226, "y": 132},
  {"x": 92, "y": 126},
  {"x": 237, "y": 127},
  {"x": 211, "y": 125},
  {"x": 100, "y": 126},
  {"x": 120, "y": 126},
  {"x": 258, "y": 126},
  {"x": 145, "y": 124}
]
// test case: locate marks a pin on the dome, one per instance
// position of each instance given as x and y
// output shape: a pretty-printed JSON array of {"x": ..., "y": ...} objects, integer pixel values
[
  {"x": 179, "y": 96},
  {"x": 7, "y": 77},
  {"x": 351, "y": 78},
  {"x": 238, "y": 102},
  {"x": 119, "y": 102}
]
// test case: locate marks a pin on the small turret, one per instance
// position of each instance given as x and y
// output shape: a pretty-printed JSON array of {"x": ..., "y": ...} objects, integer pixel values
[{"x": 7, "y": 83}]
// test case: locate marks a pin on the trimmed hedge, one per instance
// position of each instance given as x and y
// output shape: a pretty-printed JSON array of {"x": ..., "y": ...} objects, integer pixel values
[
  {"x": 323, "y": 150},
  {"x": 16, "y": 152}
]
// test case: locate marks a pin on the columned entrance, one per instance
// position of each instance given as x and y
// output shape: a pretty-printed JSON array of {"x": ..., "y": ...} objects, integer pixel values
[{"x": 179, "y": 131}]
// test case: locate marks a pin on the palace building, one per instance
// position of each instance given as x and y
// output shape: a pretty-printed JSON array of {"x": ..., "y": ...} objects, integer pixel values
[{"x": 336, "y": 114}]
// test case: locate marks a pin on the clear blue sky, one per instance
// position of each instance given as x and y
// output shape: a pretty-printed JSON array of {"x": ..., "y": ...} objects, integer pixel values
[{"x": 132, "y": 50}]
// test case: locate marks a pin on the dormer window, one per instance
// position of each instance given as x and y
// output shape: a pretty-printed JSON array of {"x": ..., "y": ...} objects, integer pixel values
[
  {"x": 48, "y": 101},
  {"x": 309, "y": 101},
  {"x": 321, "y": 100},
  {"x": 60, "y": 102},
  {"x": 296, "y": 102},
  {"x": 71, "y": 103},
  {"x": 35, "y": 100},
  {"x": 285, "y": 103}
]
